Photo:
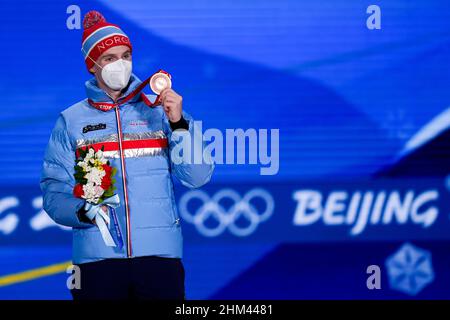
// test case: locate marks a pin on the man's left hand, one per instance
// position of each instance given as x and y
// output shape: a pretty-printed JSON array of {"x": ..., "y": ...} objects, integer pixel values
[{"x": 172, "y": 104}]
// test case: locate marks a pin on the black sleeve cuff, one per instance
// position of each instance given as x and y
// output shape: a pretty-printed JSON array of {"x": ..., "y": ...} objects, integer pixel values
[
  {"x": 81, "y": 214},
  {"x": 180, "y": 124}
]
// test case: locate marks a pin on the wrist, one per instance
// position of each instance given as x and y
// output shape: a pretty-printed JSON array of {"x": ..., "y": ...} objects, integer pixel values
[
  {"x": 176, "y": 118},
  {"x": 180, "y": 124}
]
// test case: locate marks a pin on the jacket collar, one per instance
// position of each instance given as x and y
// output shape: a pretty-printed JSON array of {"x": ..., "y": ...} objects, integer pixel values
[{"x": 97, "y": 95}]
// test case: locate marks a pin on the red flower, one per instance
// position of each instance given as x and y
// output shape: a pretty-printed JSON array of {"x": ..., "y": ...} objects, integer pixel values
[
  {"x": 106, "y": 181},
  {"x": 78, "y": 191},
  {"x": 107, "y": 169}
]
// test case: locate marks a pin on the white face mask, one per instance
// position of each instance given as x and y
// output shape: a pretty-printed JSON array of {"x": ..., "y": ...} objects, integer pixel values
[{"x": 117, "y": 74}]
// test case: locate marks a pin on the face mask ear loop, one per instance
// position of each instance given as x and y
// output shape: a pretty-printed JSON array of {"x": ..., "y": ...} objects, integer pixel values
[
  {"x": 82, "y": 50},
  {"x": 98, "y": 66}
]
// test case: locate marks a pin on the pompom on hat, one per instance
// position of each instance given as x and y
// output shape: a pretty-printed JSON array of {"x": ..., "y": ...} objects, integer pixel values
[{"x": 99, "y": 36}]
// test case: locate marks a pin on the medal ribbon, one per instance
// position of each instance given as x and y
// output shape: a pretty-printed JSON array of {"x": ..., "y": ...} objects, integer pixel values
[
  {"x": 102, "y": 220},
  {"x": 118, "y": 233},
  {"x": 105, "y": 106}
]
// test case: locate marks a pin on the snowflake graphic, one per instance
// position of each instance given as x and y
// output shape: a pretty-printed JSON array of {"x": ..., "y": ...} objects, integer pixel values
[
  {"x": 410, "y": 269},
  {"x": 398, "y": 125}
]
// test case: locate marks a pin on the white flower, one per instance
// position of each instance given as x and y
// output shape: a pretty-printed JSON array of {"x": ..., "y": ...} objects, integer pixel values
[
  {"x": 92, "y": 193},
  {"x": 101, "y": 157},
  {"x": 95, "y": 176},
  {"x": 89, "y": 192},
  {"x": 89, "y": 155},
  {"x": 83, "y": 165},
  {"x": 99, "y": 191},
  {"x": 92, "y": 189}
]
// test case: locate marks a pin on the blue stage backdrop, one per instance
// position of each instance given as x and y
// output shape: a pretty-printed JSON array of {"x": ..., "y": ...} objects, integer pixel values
[{"x": 364, "y": 134}]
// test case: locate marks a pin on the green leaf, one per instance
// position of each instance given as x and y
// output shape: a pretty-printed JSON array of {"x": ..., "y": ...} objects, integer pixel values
[{"x": 78, "y": 176}]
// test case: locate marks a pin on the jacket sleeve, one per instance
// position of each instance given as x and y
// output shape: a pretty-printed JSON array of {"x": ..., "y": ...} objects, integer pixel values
[
  {"x": 57, "y": 180},
  {"x": 186, "y": 154}
]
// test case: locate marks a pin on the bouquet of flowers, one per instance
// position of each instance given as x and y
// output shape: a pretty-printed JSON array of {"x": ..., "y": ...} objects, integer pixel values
[
  {"x": 93, "y": 176},
  {"x": 95, "y": 183}
]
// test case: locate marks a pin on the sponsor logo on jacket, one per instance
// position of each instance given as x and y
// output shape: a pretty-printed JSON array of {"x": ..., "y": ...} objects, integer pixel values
[{"x": 94, "y": 127}]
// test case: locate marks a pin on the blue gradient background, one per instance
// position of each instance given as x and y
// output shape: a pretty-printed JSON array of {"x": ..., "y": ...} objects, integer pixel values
[{"x": 346, "y": 100}]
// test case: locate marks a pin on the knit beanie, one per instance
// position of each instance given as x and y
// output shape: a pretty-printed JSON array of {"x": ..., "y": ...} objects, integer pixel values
[{"x": 99, "y": 36}]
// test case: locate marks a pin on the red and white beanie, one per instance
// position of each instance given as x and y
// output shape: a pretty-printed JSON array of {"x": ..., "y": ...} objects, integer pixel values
[{"x": 99, "y": 36}]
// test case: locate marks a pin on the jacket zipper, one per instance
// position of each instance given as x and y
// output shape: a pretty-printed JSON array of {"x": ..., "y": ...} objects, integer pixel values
[{"x": 125, "y": 191}]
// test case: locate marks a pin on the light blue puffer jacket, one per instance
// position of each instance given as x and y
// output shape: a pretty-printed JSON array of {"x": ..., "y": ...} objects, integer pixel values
[{"x": 150, "y": 223}]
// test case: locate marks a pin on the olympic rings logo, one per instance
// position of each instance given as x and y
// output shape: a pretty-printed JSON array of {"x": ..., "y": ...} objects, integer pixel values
[{"x": 226, "y": 218}]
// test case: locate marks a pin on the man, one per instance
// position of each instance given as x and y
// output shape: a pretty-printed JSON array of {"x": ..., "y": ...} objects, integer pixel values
[{"x": 140, "y": 137}]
